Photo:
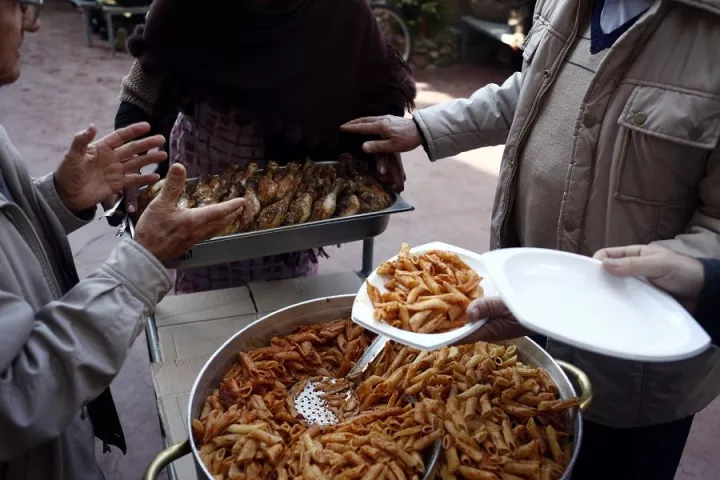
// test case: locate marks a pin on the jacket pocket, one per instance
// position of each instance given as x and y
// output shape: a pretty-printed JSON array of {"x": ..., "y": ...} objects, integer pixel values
[
  {"x": 532, "y": 42},
  {"x": 667, "y": 137}
]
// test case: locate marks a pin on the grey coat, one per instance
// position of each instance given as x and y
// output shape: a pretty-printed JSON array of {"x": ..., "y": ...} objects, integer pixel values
[
  {"x": 61, "y": 341},
  {"x": 644, "y": 168}
]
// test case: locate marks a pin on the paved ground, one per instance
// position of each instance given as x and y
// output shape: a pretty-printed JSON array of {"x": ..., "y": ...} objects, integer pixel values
[{"x": 65, "y": 86}]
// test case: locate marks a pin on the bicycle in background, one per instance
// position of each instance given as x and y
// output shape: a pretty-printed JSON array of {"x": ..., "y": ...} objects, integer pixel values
[{"x": 393, "y": 25}]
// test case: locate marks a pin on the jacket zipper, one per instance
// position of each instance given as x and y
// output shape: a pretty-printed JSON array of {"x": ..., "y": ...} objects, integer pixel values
[
  {"x": 531, "y": 117},
  {"x": 650, "y": 26},
  {"x": 28, "y": 232}
]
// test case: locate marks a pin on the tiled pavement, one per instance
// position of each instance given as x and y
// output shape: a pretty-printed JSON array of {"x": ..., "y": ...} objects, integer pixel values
[{"x": 65, "y": 86}]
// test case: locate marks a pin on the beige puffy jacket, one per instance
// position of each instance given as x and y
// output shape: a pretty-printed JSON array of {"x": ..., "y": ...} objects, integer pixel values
[{"x": 645, "y": 167}]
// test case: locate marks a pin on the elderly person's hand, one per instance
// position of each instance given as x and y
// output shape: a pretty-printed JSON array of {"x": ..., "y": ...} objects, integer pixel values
[
  {"x": 501, "y": 324},
  {"x": 681, "y": 276},
  {"x": 168, "y": 231},
  {"x": 94, "y": 172},
  {"x": 395, "y": 135}
]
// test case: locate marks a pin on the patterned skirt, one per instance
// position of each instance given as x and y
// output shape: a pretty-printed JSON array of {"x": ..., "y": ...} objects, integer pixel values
[{"x": 210, "y": 142}]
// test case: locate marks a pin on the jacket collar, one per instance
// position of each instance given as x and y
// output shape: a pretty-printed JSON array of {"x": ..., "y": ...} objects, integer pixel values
[{"x": 711, "y": 6}]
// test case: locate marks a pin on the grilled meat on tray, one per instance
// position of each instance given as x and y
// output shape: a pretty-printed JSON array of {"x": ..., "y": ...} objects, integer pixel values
[
  {"x": 301, "y": 208},
  {"x": 284, "y": 196},
  {"x": 325, "y": 207},
  {"x": 289, "y": 181},
  {"x": 273, "y": 215},
  {"x": 349, "y": 205},
  {"x": 267, "y": 187}
]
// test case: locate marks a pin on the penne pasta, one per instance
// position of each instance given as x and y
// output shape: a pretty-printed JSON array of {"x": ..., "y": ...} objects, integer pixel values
[
  {"x": 555, "y": 448},
  {"x": 476, "y": 474},
  {"x": 509, "y": 436},
  {"x": 470, "y": 407},
  {"x": 475, "y": 391},
  {"x": 452, "y": 459},
  {"x": 425, "y": 293},
  {"x": 495, "y": 417},
  {"x": 485, "y": 406},
  {"x": 522, "y": 467},
  {"x": 527, "y": 451}
]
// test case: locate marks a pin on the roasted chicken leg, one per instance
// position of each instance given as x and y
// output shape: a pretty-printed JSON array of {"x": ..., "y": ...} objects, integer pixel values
[
  {"x": 267, "y": 188},
  {"x": 243, "y": 177},
  {"x": 273, "y": 215},
  {"x": 250, "y": 211},
  {"x": 288, "y": 181},
  {"x": 205, "y": 191},
  {"x": 185, "y": 200},
  {"x": 325, "y": 207},
  {"x": 371, "y": 194},
  {"x": 348, "y": 206},
  {"x": 148, "y": 195},
  {"x": 301, "y": 208},
  {"x": 308, "y": 171}
]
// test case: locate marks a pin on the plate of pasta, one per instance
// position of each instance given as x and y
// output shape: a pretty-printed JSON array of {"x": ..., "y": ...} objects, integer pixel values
[{"x": 419, "y": 298}]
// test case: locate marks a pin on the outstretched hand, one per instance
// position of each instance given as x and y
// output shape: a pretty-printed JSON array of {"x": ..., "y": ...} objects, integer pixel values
[
  {"x": 168, "y": 231},
  {"x": 395, "y": 135},
  {"x": 93, "y": 172}
]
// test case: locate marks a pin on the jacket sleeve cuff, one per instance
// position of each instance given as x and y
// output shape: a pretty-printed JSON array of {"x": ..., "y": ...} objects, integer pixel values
[
  {"x": 426, "y": 136},
  {"x": 422, "y": 137},
  {"x": 708, "y": 310},
  {"x": 138, "y": 270},
  {"x": 70, "y": 221}
]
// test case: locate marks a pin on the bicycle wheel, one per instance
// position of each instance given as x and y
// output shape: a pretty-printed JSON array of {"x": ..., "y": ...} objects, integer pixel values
[{"x": 395, "y": 29}]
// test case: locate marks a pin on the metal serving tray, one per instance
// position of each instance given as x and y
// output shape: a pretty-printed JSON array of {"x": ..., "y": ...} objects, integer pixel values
[
  {"x": 305, "y": 236},
  {"x": 243, "y": 246}
]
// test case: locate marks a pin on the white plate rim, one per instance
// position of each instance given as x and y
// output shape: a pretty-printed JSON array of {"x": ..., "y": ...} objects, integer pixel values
[{"x": 495, "y": 261}]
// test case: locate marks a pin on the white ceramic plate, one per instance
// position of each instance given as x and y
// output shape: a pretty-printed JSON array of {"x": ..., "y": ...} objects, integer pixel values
[
  {"x": 572, "y": 299},
  {"x": 362, "y": 312}
]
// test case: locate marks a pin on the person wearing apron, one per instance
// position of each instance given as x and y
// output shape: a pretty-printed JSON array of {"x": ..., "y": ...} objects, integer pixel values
[{"x": 274, "y": 83}]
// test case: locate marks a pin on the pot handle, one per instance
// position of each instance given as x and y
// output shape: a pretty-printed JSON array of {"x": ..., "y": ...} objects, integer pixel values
[
  {"x": 582, "y": 380},
  {"x": 165, "y": 458}
]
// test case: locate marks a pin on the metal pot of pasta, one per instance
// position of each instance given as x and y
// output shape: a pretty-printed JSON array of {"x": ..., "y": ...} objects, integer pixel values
[{"x": 502, "y": 412}]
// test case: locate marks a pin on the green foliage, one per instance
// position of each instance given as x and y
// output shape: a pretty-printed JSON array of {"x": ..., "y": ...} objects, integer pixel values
[{"x": 425, "y": 17}]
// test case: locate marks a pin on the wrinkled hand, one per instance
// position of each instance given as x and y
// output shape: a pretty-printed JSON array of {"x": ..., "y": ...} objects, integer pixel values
[
  {"x": 501, "y": 324},
  {"x": 97, "y": 172},
  {"x": 397, "y": 134},
  {"x": 168, "y": 231},
  {"x": 681, "y": 276}
]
